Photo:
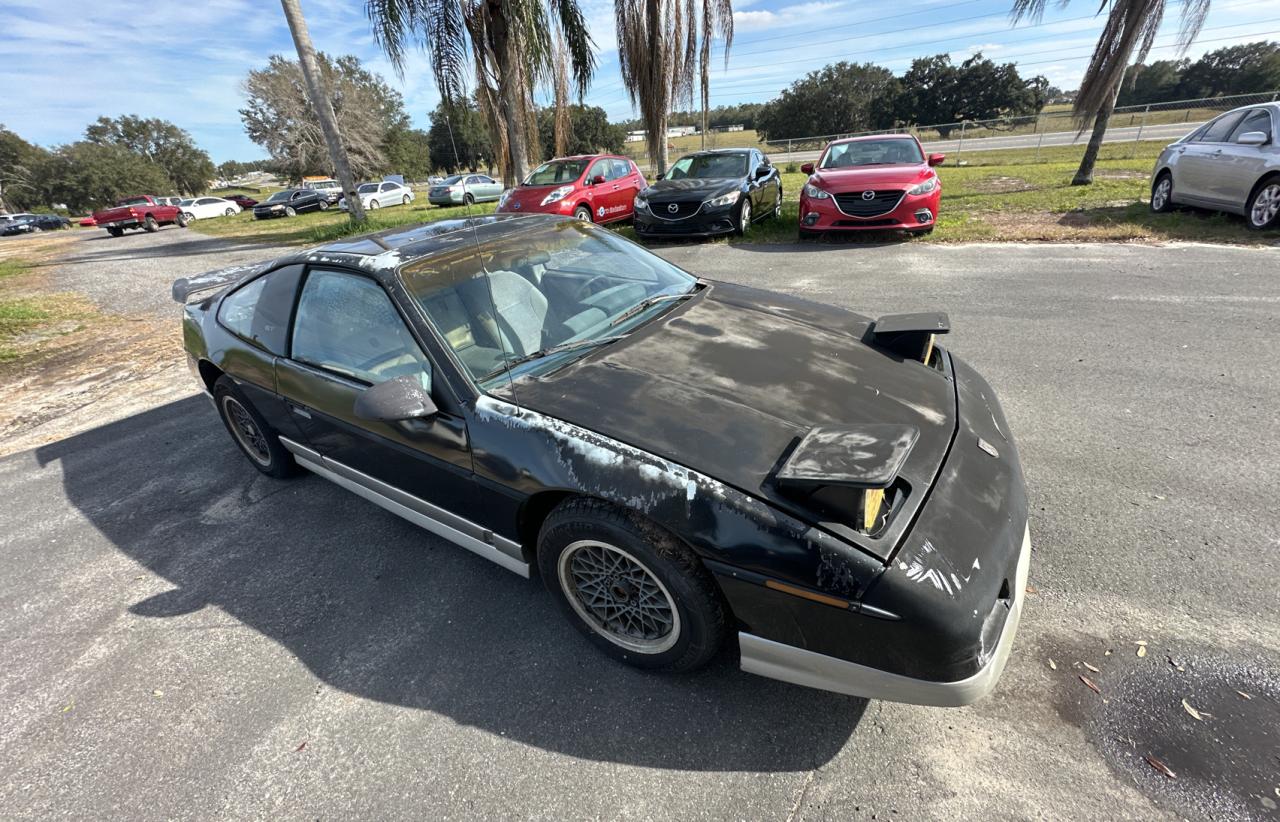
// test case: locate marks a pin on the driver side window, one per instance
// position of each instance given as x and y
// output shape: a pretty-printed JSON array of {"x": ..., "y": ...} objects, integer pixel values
[{"x": 346, "y": 324}]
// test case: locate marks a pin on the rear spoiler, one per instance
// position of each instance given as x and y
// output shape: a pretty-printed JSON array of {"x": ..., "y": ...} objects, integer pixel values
[
  {"x": 910, "y": 336},
  {"x": 198, "y": 286}
]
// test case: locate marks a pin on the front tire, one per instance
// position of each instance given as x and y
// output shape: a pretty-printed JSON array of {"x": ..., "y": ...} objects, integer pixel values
[
  {"x": 250, "y": 432},
  {"x": 1263, "y": 210},
  {"x": 230, "y": 212},
  {"x": 182, "y": 220},
  {"x": 582, "y": 213},
  {"x": 1162, "y": 193},
  {"x": 635, "y": 591},
  {"x": 744, "y": 217},
  {"x": 405, "y": 200},
  {"x": 290, "y": 211}
]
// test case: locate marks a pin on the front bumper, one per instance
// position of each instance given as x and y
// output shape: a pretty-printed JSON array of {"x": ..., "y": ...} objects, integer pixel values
[
  {"x": 788, "y": 663},
  {"x": 268, "y": 214},
  {"x": 706, "y": 222},
  {"x": 913, "y": 212}
]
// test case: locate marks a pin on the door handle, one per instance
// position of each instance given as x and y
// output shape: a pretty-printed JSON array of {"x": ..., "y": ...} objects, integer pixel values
[
  {"x": 300, "y": 411},
  {"x": 616, "y": 188}
]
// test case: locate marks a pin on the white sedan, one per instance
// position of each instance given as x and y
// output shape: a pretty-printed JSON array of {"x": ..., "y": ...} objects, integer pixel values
[
  {"x": 381, "y": 195},
  {"x": 202, "y": 208}
]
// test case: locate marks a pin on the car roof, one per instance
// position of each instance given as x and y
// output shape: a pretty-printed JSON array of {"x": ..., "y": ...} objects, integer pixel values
[
  {"x": 383, "y": 252},
  {"x": 710, "y": 151},
  {"x": 864, "y": 137}
]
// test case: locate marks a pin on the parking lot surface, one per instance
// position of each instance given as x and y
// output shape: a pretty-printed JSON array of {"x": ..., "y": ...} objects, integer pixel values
[{"x": 185, "y": 638}]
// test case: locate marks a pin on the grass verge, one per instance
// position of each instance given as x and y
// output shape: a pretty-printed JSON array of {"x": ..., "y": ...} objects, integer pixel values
[
  {"x": 28, "y": 318},
  {"x": 1012, "y": 195}
]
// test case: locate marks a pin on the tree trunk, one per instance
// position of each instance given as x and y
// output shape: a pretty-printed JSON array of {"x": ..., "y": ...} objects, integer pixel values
[
  {"x": 661, "y": 159},
  {"x": 510, "y": 91},
  {"x": 322, "y": 105},
  {"x": 1084, "y": 174}
]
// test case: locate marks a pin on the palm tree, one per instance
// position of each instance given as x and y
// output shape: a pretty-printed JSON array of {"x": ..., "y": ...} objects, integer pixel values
[
  {"x": 657, "y": 45},
  {"x": 1126, "y": 38},
  {"x": 717, "y": 18},
  {"x": 322, "y": 104},
  {"x": 512, "y": 51}
]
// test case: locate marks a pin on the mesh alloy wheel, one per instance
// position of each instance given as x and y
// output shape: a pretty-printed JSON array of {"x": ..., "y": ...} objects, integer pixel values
[
  {"x": 246, "y": 431},
  {"x": 1265, "y": 206},
  {"x": 618, "y": 597}
]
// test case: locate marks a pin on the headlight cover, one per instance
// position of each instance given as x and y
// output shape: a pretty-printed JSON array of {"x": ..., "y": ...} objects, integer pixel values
[
  {"x": 557, "y": 195},
  {"x": 724, "y": 199},
  {"x": 814, "y": 193},
  {"x": 925, "y": 187},
  {"x": 640, "y": 203}
]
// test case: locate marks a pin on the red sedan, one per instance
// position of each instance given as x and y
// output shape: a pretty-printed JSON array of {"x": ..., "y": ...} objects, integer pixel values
[
  {"x": 598, "y": 188},
  {"x": 882, "y": 182}
]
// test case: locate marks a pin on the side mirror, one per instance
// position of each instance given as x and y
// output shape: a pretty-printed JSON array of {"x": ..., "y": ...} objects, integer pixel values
[
  {"x": 806, "y": 168},
  {"x": 660, "y": 176},
  {"x": 597, "y": 180},
  {"x": 402, "y": 398},
  {"x": 1252, "y": 138},
  {"x": 761, "y": 172},
  {"x": 936, "y": 159}
]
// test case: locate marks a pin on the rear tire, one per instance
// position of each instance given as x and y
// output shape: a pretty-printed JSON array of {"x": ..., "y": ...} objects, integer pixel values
[
  {"x": 250, "y": 432},
  {"x": 1263, "y": 209},
  {"x": 777, "y": 207},
  {"x": 634, "y": 590},
  {"x": 324, "y": 205},
  {"x": 373, "y": 204},
  {"x": 149, "y": 224},
  {"x": 1162, "y": 193},
  {"x": 468, "y": 199}
]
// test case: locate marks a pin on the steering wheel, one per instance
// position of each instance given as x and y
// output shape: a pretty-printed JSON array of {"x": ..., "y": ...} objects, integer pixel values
[{"x": 585, "y": 289}]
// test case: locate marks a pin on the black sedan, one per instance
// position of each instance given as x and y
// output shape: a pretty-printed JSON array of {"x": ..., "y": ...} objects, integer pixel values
[
  {"x": 710, "y": 193},
  {"x": 289, "y": 203},
  {"x": 687, "y": 464},
  {"x": 32, "y": 223}
]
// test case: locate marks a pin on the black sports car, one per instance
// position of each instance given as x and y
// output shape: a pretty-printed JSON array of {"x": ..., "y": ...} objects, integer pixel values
[
  {"x": 709, "y": 193},
  {"x": 32, "y": 223},
  {"x": 289, "y": 202},
  {"x": 686, "y": 463}
]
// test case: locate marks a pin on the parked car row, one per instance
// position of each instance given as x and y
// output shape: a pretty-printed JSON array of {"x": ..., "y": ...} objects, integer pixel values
[{"x": 860, "y": 183}]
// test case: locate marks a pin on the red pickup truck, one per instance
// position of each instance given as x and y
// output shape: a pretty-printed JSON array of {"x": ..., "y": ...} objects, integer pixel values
[{"x": 143, "y": 211}]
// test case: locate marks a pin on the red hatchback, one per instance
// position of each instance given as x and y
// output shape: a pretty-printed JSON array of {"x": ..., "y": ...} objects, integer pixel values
[
  {"x": 880, "y": 182},
  {"x": 598, "y": 188}
]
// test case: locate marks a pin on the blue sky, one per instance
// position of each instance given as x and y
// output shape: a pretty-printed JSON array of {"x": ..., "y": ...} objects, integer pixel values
[{"x": 68, "y": 61}]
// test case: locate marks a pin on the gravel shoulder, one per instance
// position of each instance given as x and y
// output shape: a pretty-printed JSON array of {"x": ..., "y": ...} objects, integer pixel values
[{"x": 187, "y": 639}]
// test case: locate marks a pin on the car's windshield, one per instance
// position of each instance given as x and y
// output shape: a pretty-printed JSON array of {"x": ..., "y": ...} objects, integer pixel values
[
  {"x": 368, "y": 188},
  {"x": 709, "y": 166},
  {"x": 555, "y": 172},
  {"x": 185, "y": 202},
  {"x": 280, "y": 196},
  {"x": 872, "y": 153},
  {"x": 539, "y": 286}
]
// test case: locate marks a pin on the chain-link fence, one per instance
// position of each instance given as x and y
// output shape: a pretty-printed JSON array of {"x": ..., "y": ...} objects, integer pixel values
[{"x": 1052, "y": 127}]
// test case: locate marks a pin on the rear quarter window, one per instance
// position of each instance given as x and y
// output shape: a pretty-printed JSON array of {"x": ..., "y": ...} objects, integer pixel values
[{"x": 259, "y": 311}]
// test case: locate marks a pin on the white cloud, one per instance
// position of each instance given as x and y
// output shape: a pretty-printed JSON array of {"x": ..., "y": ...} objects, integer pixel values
[{"x": 787, "y": 16}]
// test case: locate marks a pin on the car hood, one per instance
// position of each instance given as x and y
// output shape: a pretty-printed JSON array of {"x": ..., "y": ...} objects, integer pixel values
[
  {"x": 865, "y": 177},
  {"x": 727, "y": 382},
  {"x": 528, "y": 197},
  {"x": 662, "y": 191}
]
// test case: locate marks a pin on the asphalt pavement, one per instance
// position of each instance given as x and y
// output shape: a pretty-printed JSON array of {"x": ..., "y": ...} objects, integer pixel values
[{"x": 185, "y": 638}]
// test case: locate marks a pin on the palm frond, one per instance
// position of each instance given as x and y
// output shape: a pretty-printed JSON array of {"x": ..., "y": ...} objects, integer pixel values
[{"x": 1127, "y": 36}]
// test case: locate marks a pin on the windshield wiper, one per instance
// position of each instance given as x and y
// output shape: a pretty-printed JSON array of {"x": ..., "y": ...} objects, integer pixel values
[
  {"x": 559, "y": 348},
  {"x": 647, "y": 303}
]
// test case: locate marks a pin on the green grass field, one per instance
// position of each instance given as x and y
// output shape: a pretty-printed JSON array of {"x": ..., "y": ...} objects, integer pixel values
[{"x": 998, "y": 196}]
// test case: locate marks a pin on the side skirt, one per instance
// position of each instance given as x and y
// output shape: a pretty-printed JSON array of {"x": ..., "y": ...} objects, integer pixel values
[{"x": 438, "y": 521}]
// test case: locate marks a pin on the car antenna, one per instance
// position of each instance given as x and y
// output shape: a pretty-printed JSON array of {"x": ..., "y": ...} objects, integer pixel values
[{"x": 475, "y": 236}]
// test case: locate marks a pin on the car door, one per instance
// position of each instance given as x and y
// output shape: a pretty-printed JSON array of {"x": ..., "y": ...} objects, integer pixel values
[
  {"x": 1196, "y": 160},
  {"x": 389, "y": 194},
  {"x": 346, "y": 336},
  {"x": 1238, "y": 167},
  {"x": 484, "y": 188}
]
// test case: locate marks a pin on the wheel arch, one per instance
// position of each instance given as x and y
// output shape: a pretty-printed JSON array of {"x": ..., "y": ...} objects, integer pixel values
[
  {"x": 209, "y": 373},
  {"x": 1267, "y": 177}
]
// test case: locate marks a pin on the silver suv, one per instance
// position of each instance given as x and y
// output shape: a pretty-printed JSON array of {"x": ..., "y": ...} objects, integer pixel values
[
  {"x": 331, "y": 190},
  {"x": 1231, "y": 163}
]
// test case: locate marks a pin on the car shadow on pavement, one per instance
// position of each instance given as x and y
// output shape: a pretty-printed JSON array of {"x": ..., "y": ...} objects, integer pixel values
[{"x": 378, "y": 608}]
